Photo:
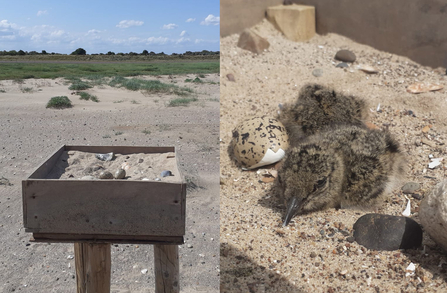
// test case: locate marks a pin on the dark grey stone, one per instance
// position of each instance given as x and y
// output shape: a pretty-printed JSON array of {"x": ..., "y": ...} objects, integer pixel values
[
  {"x": 345, "y": 56},
  {"x": 342, "y": 65},
  {"x": 410, "y": 187},
  {"x": 385, "y": 232}
]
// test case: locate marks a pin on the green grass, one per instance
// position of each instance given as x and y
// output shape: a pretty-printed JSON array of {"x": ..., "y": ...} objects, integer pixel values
[
  {"x": 149, "y": 86},
  {"x": 26, "y": 89},
  {"x": 181, "y": 102},
  {"x": 2, "y": 91},
  {"x": 59, "y": 102},
  {"x": 145, "y": 131},
  {"x": 98, "y": 71},
  {"x": 79, "y": 86},
  {"x": 86, "y": 96},
  {"x": 106, "y": 136},
  {"x": 119, "y": 133}
]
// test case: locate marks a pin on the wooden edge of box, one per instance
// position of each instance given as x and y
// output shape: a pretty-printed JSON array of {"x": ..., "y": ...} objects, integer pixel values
[
  {"x": 117, "y": 239},
  {"x": 49, "y": 162}
]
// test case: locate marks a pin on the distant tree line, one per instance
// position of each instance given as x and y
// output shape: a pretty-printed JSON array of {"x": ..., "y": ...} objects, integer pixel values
[{"x": 81, "y": 51}]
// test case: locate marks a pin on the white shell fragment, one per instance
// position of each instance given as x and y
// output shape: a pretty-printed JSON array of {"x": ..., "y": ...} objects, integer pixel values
[
  {"x": 423, "y": 87},
  {"x": 125, "y": 166},
  {"x": 407, "y": 211},
  {"x": 435, "y": 163},
  {"x": 269, "y": 158},
  {"x": 367, "y": 68},
  {"x": 410, "y": 270},
  {"x": 104, "y": 157}
]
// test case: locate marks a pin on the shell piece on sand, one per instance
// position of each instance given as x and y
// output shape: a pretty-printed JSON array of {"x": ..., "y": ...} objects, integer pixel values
[
  {"x": 423, "y": 87},
  {"x": 407, "y": 211},
  {"x": 104, "y": 157},
  {"x": 125, "y": 166},
  {"x": 367, "y": 69}
]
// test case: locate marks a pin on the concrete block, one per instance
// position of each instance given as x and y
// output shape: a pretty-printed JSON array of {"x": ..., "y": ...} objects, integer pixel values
[{"x": 296, "y": 22}]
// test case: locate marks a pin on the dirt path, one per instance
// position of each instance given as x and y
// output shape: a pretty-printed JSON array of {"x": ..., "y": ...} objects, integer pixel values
[{"x": 30, "y": 133}]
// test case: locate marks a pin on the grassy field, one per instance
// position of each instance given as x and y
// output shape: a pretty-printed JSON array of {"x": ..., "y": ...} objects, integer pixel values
[{"x": 45, "y": 69}]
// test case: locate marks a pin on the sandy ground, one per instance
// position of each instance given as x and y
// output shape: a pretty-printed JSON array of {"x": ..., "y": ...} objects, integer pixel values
[
  {"x": 312, "y": 254},
  {"x": 30, "y": 133}
]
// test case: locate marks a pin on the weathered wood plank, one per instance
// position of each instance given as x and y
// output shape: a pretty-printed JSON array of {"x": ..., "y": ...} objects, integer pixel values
[
  {"x": 121, "y": 239},
  {"x": 105, "y": 207},
  {"x": 93, "y": 267},
  {"x": 166, "y": 269}
]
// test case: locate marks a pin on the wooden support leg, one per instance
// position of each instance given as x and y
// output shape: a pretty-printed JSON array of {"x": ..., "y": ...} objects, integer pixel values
[
  {"x": 166, "y": 269},
  {"x": 93, "y": 267}
]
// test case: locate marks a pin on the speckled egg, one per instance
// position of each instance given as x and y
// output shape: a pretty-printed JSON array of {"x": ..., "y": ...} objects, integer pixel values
[{"x": 259, "y": 141}]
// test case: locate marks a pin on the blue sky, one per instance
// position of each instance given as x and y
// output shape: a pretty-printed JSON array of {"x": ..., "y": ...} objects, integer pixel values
[{"x": 172, "y": 26}]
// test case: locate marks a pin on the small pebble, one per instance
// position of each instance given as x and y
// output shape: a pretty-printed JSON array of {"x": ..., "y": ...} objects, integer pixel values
[
  {"x": 317, "y": 72},
  {"x": 140, "y": 161},
  {"x": 345, "y": 56},
  {"x": 313, "y": 254},
  {"x": 410, "y": 187},
  {"x": 342, "y": 65},
  {"x": 230, "y": 77},
  {"x": 104, "y": 157},
  {"x": 120, "y": 174},
  {"x": 189, "y": 245},
  {"x": 144, "y": 271},
  {"x": 105, "y": 175},
  {"x": 166, "y": 173}
]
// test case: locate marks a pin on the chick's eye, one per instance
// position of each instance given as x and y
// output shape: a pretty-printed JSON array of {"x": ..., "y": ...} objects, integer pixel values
[{"x": 322, "y": 182}]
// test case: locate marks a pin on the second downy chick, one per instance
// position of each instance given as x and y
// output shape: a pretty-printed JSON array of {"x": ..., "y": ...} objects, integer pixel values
[{"x": 319, "y": 107}]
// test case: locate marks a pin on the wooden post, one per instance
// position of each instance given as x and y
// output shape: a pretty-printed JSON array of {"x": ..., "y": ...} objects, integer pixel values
[
  {"x": 93, "y": 267},
  {"x": 166, "y": 269}
]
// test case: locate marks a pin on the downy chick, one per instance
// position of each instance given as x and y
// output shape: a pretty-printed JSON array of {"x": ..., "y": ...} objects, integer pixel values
[
  {"x": 319, "y": 107},
  {"x": 346, "y": 166}
]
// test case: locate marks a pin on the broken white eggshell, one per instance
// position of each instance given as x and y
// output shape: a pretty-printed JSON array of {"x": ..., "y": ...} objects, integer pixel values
[
  {"x": 407, "y": 211},
  {"x": 435, "y": 163},
  {"x": 259, "y": 141}
]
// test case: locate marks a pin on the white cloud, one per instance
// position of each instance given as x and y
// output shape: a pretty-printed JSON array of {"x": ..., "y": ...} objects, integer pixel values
[
  {"x": 211, "y": 20},
  {"x": 183, "y": 40},
  {"x": 169, "y": 26},
  {"x": 129, "y": 23},
  {"x": 92, "y": 32},
  {"x": 41, "y": 12},
  {"x": 158, "y": 40},
  {"x": 183, "y": 33},
  {"x": 6, "y": 25},
  {"x": 190, "y": 20}
]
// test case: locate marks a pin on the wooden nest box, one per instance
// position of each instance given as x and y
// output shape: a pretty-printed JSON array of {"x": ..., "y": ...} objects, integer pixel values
[{"x": 104, "y": 211}]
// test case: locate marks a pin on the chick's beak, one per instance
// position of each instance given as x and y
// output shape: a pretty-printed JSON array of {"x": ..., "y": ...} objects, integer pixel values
[{"x": 292, "y": 207}]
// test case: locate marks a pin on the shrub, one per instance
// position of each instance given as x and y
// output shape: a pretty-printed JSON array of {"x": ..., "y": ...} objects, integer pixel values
[
  {"x": 59, "y": 102},
  {"x": 87, "y": 96},
  {"x": 181, "y": 102},
  {"x": 79, "y": 86}
]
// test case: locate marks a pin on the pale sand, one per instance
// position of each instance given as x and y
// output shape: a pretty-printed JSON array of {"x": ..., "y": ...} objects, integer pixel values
[{"x": 310, "y": 255}]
